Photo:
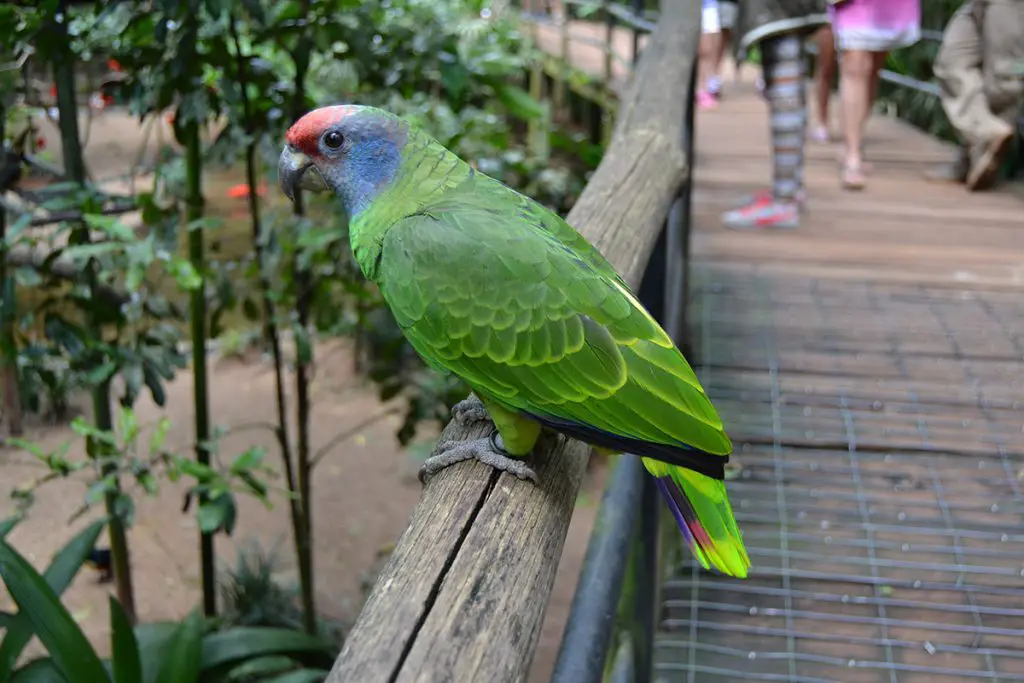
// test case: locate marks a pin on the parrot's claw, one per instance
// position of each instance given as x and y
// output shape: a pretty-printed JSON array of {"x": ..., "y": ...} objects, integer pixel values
[
  {"x": 470, "y": 411},
  {"x": 487, "y": 450}
]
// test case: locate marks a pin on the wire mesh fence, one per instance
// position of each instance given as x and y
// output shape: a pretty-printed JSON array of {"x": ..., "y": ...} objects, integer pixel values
[{"x": 879, "y": 433}]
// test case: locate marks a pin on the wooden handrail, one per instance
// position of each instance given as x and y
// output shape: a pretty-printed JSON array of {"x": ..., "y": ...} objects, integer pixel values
[{"x": 463, "y": 595}]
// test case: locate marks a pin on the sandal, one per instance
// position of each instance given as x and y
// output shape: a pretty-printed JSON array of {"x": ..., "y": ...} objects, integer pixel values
[
  {"x": 851, "y": 177},
  {"x": 865, "y": 167},
  {"x": 820, "y": 135}
]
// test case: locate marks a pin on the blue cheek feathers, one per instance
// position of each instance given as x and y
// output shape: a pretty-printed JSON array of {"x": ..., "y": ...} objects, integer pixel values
[{"x": 370, "y": 167}]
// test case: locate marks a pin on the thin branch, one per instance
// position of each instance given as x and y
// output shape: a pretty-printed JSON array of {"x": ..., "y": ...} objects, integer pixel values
[
  {"x": 253, "y": 427},
  {"x": 348, "y": 434}
]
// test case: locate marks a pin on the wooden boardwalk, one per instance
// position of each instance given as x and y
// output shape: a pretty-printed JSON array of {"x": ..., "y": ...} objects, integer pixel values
[{"x": 870, "y": 368}]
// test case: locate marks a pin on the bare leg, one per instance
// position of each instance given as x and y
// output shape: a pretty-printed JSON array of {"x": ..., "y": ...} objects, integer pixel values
[
  {"x": 710, "y": 37},
  {"x": 826, "y": 71},
  {"x": 709, "y": 47},
  {"x": 855, "y": 92},
  {"x": 715, "y": 79},
  {"x": 879, "y": 62}
]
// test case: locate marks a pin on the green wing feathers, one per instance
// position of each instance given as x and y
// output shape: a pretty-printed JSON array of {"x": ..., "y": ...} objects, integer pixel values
[
  {"x": 493, "y": 287},
  {"x": 541, "y": 327}
]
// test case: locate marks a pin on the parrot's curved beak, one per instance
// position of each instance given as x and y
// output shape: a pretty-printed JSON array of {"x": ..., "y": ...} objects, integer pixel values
[{"x": 296, "y": 171}]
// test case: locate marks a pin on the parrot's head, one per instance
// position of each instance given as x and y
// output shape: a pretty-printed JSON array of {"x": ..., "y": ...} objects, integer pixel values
[{"x": 353, "y": 151}]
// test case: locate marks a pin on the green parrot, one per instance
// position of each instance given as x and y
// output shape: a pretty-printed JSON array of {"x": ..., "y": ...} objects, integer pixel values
[{"x": 490, "y": 285}]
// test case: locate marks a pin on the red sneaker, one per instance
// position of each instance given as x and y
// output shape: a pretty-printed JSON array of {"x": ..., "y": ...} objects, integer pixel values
[{"x": 763, "y": 213}]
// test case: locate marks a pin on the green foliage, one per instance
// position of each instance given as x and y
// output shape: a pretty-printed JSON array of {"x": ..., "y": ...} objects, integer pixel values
[
  {"x": 57, "y": 577},
  {"x": 105, "y": 308},
  {"x": 921, "y": 109},
  {"x": 49, "y": 620},
  {"x": 253, "y": 597},
  {"x": 126, "y": 455},
  {"x": 442, "y": 64},
  {"x": 139, "y": 333},
  {"x": 188, "y": 652}
]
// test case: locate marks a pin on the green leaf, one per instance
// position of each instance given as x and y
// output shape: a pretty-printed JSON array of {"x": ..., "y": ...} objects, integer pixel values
[
  {"x": 184, "y": 273},
  {"x": 63, "y": 332},
  {"x": 518, "y": 102},
  {"x": 318, "y": 238},
  {"x": 239, "y": 644},
  {"x": 127, "y": 425},
  {"x": 148, "y": 482},
  {"x": 109, "y": 226},
  {"x": 181, "y": 664},
  {"x": 27, "y": 277},
  {"x": 134, "y": 277},
  {"x": 84, "y": 429},
  {"x": 124, "y": 508},
  {"x": 100, "y": 374},
  {"x": 258, "y": 668},
  {"x": 58, "y": 575},
  {"x": 255, "y": 486},
  {"x": 35, "y": 449},
  {"x": 156, "y": 441},
  {"x": 82, "y": 252},
  {"x": 133, "y": 376},
  {"x": 52, "y": 623},
  {"x": 217, "y": 514},
  {"x": 154, "y": 640},
  {"x": 155, "y": 386},
  {"x": 125, "y": 658},
  {"x": 42, "y": 670},
  {"x": 206, "y": 223},
  {"x": 8, "y": 524},
  {"x": 99, "y": 489},
  {"x": 248, "y": 460},
  {"x": 300, "y": 676},
  {"x": 250, "y": 310}
]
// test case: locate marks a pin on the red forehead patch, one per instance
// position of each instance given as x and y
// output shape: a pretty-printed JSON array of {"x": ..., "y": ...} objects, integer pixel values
[{"x": 305, "y": 132}]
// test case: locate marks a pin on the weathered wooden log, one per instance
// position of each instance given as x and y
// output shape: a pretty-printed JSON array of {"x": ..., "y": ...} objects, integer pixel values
[{"x": 464, "y": 593}]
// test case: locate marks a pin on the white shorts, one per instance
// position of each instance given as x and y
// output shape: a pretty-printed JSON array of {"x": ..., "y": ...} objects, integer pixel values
[{"x": 709, "y": 19}]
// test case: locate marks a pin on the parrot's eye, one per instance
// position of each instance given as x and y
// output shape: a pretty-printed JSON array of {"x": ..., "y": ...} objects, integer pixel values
[{"x": 333, "y": 139}]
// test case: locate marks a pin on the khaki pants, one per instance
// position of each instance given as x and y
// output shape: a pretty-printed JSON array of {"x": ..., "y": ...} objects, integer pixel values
[{"x": 980, "y": 67}]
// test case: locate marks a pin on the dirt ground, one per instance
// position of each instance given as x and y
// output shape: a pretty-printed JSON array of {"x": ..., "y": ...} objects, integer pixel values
[{"x": 364, "y": 490}]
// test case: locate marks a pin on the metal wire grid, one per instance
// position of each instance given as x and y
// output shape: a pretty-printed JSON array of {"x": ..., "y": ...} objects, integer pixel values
[{"x": 879, "y": 436}]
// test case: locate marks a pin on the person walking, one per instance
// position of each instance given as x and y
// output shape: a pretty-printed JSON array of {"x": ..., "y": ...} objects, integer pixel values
[
  {"x": 866, "y": 30},
  {"x": 779, "y": 27},
  {"x": 727, "y": 19},
  {"x": 825, "y": 72},
  {"x": 980, "y": 68},
  {"x": 710, "y": 44}
]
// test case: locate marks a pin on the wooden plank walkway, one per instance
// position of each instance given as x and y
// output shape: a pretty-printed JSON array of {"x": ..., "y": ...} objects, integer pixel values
[{"x": 869, "y": 368}]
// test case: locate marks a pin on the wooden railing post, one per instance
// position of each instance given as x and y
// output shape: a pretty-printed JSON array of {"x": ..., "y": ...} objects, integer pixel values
[
  {"x": 638, "y": 11},
  {"x": 562, "y": 76},
  {"x": 609, "y": 42},
  {"x": 463, "y": 595}
]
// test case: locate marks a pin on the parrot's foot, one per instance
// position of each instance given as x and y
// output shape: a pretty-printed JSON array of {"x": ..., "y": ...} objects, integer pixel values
[
  {"x": 470, "y": 411},
  {"x": 488, "y": 450}
]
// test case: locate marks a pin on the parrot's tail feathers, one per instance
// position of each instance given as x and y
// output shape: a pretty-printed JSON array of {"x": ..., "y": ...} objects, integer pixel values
[{"x": 705, "y": 517}]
